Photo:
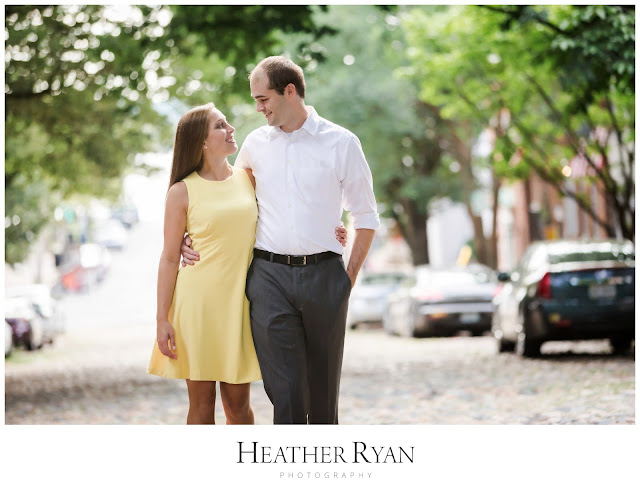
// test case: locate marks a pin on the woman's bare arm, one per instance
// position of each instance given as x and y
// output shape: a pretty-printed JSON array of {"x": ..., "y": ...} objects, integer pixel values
[{"x": 175, "y": 223}]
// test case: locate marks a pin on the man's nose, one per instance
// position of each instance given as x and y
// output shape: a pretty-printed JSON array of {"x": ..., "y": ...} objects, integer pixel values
[{"x": 259, "y": 107}]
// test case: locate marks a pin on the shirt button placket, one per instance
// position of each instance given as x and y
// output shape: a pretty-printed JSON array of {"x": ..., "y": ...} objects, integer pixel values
[{"x": 289, "y": 174}]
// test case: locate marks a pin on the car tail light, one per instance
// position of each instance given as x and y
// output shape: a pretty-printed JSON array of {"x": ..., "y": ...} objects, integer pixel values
[{"x": 544, "y": 287}]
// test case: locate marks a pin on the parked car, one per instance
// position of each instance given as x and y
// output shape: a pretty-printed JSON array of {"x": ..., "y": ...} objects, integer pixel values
[
  {"x": 126, "y": 214},
  {"x": 86, "y": 267},
  {"x": 368, "y": 298},
  {"x": 27, "y": 326},
  {"x": 567, "y": 290},
  {"x": 45, "y": 306},
  {"x": 441, "y": 302},
  {"x": 8, "y": 339},
  {"x": 111, "y": 234}
]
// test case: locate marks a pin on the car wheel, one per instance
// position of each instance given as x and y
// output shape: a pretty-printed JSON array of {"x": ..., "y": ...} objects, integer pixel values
[
  {"x": 35, "y": 340},
  {"x": 505, "y": 346},
  {"x": 621, "y": 345},
  {"x": 525, "y": 347},
  {"x": 410, "y": 328}
]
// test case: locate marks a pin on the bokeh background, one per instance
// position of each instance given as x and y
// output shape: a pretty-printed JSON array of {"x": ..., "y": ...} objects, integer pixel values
[{"x": 516, "y": 122}]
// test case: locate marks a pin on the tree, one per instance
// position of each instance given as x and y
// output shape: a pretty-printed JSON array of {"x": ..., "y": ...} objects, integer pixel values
[
  {"x": 592, "y": 50},
  {"x": 82, "y": 83},
  {"x": 74, "y": 113},
  {"x": 553, "y": 82}
]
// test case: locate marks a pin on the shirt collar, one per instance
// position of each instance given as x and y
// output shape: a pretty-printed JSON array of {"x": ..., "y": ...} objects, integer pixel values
[
  {"x": 311, "y": 125},
  {"x": 312, "y": 122}
]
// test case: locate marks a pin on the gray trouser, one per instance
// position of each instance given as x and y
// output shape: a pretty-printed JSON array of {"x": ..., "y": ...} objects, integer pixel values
[{"x": 298, "y": 318}]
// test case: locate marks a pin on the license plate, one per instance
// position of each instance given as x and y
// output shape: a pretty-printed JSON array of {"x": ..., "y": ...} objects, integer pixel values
[
  {"x": 469, "y": 318},
  {"x": 602, "y": 291}
]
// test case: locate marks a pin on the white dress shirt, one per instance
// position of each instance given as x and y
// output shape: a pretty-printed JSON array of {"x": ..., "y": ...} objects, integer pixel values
[{"x": 304, "y": 179}]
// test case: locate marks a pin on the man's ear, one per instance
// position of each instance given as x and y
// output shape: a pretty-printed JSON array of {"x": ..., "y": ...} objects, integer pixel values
[{"x": 290, "y": 90}]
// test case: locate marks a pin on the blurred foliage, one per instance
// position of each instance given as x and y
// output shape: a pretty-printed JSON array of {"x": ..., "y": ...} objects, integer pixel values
[
  {"x": 86, "y": 88},
  {"x": 242, "y": 35},
  {"x": 30, "y": 205},
  {"x": 552, "y": 82},
  {"x": 400, "y": 136},
  {"x": 82, "y": 84}
]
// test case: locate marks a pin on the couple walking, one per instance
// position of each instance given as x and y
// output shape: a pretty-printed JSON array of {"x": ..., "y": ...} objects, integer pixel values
[{"x": 263, "y": 291}]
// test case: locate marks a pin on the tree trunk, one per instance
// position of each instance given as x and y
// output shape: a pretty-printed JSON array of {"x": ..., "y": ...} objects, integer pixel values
[
  {"x": 493, "y": 242},
  {"x": 415, "y": 232},
  {"x": 462, "y": 152},
  {"x": 478, "y": 232}
]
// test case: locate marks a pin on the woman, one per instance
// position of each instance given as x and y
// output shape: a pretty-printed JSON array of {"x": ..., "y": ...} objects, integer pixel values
[{"x": 203, "y": 330}]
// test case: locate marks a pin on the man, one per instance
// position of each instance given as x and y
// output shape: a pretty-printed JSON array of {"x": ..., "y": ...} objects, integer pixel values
[{"x": 305, "y": 169}]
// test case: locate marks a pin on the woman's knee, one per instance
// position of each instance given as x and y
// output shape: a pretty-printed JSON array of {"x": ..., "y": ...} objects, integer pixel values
[
  {"x": 202, "y": 395},
  {"x": 235, "y": 398}
]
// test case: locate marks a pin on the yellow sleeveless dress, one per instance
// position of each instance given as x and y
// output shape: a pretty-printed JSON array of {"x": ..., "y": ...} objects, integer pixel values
[{"x": 209, "y": 311}]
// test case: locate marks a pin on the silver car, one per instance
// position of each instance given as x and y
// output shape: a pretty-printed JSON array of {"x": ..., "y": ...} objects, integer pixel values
[
  {"x": 442, "y": 302},
  {"x": 368, "y": 298}
]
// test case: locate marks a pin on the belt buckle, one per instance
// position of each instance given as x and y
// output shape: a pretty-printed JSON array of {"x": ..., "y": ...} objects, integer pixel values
[
  {"x": 304, "y": 260},
  {"x": 288, "y": 260}
]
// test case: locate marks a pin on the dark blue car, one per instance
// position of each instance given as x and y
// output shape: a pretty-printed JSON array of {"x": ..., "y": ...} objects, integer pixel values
[{"x": 568, "y": 290}]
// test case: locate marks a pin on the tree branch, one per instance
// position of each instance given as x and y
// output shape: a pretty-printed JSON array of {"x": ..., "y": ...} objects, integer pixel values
[
  {"x": 27, "y": 95},
  {"x": 573, "y": 140},
  {"x": 544, "y": 174},
  {"x": 618, "y": 132},
  {"x": 536, "y": 16}
]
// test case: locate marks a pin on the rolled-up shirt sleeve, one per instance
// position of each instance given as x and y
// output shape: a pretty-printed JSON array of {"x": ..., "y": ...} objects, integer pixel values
[{"x": 357, "y": 187}]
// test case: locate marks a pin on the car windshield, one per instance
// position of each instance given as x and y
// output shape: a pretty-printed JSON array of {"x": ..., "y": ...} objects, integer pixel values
[{"x": 603, "y": 252}]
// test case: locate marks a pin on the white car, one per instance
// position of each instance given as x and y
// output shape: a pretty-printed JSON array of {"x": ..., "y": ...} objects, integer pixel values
[
  {"x": 368, "y": 298},
  {"x": 45, "y": 306},
  {"x": 27, "y": 325}
]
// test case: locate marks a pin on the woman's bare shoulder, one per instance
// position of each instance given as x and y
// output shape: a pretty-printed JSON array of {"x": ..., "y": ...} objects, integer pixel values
[{"x": 178, "y": 194}]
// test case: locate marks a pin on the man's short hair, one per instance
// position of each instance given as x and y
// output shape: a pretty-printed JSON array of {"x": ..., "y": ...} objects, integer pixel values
[{"x": 281, "y": 72}]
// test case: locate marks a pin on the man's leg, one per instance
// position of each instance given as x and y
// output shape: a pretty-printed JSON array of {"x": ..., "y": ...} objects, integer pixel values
[
  {"x": 326, "y": 287},
  {"x": 278, "y": 337}
]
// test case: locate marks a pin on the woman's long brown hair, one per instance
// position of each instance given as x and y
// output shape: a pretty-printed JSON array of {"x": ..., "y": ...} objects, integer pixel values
[{"x": 188, "y": 154}]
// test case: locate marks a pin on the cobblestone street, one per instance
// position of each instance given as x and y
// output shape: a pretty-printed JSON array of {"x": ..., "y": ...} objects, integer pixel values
[
  {"x": 96, "y": 372},
  {"x": 385, "y": 381}
]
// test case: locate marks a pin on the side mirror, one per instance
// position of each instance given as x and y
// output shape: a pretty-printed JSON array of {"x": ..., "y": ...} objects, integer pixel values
[{"x": 503, "y": 277}]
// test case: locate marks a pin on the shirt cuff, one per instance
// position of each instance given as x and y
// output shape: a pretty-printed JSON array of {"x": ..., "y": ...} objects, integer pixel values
[{"x": 366, "y": 221}]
